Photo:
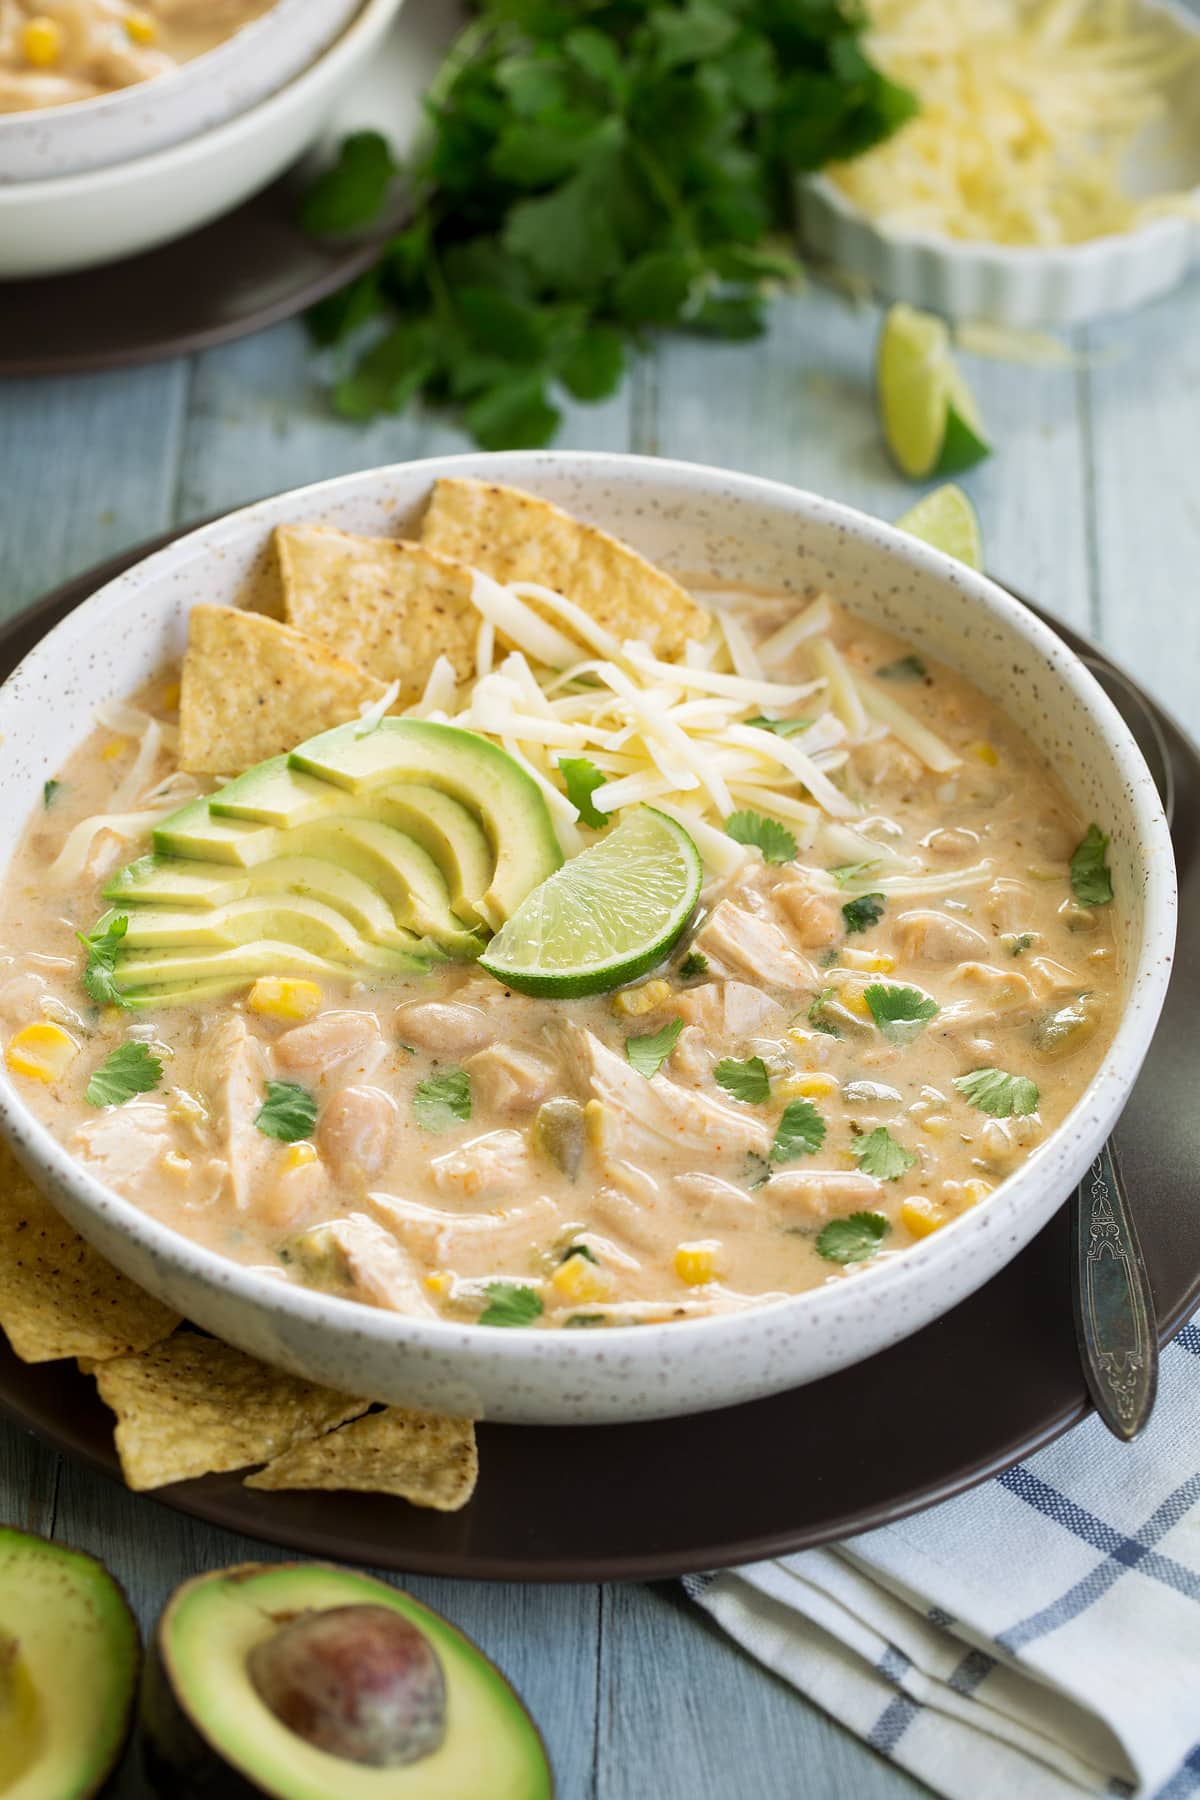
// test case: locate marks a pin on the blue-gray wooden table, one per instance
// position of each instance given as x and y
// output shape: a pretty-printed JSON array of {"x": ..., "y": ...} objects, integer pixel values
[{"x": 1091, "y": 505}]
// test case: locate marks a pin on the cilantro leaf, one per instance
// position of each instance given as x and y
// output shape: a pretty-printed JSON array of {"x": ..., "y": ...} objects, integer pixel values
[
  {"x": 350, "y": 194},
  {"x": 864, "y": 912},
  {"x": 879, "y": 1154},
  {"x": 995, "y": 1092},
  {"x": 581, "y": 1321},
  {"x": 800, "y": 1132},
  {"x": 899, "y": 1012},
  {"x": 694, "y": 963},
  {"x": 768, "y": 835},
  {"x": 1091, "y": 879},
  {"x": 1017, "y": 943},
  {"x": 648, "y": 1053},
  {"x": 50, "y": 791},
  {"x": 510, "y": 1303},
  {"x": 288, "y": 1113},
  {"x": 846, "y": 874},
  {"x": 582, "y": 778},
  {"x": 593, "y": 367},
  {"x": 103, "y": 948},
  {"x": 781, "y": 727},
  {"x": 441, "y": 1102},
  {"x": 746, "y": 1081},
  {"x": 816, "y": 1014},
  {"x": 583, "y": 1250},
  {"x": 128, "y": 1070},
  {"x": 854, "y": 1239},
  {"x": 905, "y": 668}
]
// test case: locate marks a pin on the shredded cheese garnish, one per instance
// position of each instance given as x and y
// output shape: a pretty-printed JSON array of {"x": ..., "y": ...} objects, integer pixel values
[{"x": 1029, "y": 112}]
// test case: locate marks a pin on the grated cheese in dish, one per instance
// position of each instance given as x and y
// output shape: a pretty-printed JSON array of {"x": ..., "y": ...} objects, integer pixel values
[
  {"x": 552, "y": 685},
  {"x": 1028, "y": 112}
]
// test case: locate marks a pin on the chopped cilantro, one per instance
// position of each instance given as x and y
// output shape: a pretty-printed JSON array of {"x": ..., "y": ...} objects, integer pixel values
[
  {"x": 442, "y": 1101},
  {"x": 816, "y": 1014},
  {"x": 995, "y": 1092},
  {"x": 50, "y": 791},
  {"x": 103, "y": 948},
  {"x": 781, "y": 727},
  {"x": 1091, "y": 879},
  {"x": 848, "y": 873},
  {"x": 581, "y": 1321},
  {"x": 583, "y": 778},
  {"x": 800, "y": 1132},
  {"x": 899, "y": 1012},
  {"x": 694, "y": 963},
  {"x": 571, "y": 1250},
  {"x": 768, "y": 835},
  {"x": 854, "y": 1239},
  {"x": 905, "y": 668},
  {"x": 747, "y": 1080},
  {"x": 864, "y": 912},
  {"x": 289, "y": 1112},
  {"x": 879, "y": 1154},
  {"x": 1017, "y": 943},
  {"x": 510, "y": 1303},
  {"x": 128, "y": 1070},
  {"x": 647, "y": 1054},
  {"x": 350, "y": 193}
]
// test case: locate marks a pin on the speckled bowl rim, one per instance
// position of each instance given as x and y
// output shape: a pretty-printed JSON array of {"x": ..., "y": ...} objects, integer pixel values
[{"x": 1022, "y": 1193}]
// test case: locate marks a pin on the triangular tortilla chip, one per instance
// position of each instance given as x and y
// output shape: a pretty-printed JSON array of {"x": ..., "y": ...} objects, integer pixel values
[
  {"x": 195, "y": 1406},
  {"x": 392, "y": 607},
  {"x": 253, "y": 688},
  {"x": 421, "y": 1457},
  {"x": 514, "y": 536},
  {"x": 58, "y": 1296}
]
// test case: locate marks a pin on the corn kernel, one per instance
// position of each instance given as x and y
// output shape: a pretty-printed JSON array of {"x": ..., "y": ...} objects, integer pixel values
[
  {"x": 697, "y": 1263},
  {"x": 921, "y": 1215},
  {"x": 140, "y": 27},
  {"x": 854, "y": 999},
  {"x": 633, "y": 1003},
  {"x": 176, "y": 1163},
  {"x": 593, "y": 1123},
  {"x": 283, "y": 997},
  {"x": 936, "y": 1124},
  {"x": 975, "y": 1191},
  {"x": 171, "y": 696},
  {"x": 577, "y": 1279},
  {"x": 984, "y": 753},
  {"x": 41, "y": 1052},
  {"x": 299, "y": 1156},
  {"x": 806, "y": 1087},
  {"x": 115, "y": 747},
  {"x": 439, "y": 1281},
  {"x": 42, "y": 41},
  {"x": 874, "y": 962}
]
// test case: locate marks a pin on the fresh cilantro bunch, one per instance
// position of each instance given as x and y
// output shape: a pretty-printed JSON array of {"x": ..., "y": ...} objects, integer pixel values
[{"x": 593, "y": 170}]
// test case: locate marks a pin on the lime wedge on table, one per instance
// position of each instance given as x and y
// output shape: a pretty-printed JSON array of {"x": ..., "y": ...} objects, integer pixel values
[
  {"x": 606, "y": 916},
  {"x": 947, "y": 520},
  {"x": 930, "y": 419}
]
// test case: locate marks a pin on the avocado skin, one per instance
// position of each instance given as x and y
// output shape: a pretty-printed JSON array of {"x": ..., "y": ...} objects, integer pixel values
[
  {"x": 179, "y": 1764},
  {"x": 104, "y": 1782}
]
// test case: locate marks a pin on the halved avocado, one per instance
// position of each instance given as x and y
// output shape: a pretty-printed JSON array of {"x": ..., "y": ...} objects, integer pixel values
[
  {"x": 69, "y": 1657},
  {"x": 305, "y": 1682}
]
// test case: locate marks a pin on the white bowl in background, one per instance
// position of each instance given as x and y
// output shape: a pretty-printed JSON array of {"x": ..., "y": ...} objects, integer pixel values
[
  {"x": 79, "y": 221},
  {"x": 1023, "y": 286},
  {"x": 698, "y": 521},
  {"x": 47, "y": 142}
]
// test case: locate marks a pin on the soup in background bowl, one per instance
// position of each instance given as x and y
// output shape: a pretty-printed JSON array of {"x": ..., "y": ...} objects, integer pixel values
[{"x": 893, "y": 1034}]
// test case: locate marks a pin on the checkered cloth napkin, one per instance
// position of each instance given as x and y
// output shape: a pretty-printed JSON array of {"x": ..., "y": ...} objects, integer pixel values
[{"x": 1037, "y": 1638}]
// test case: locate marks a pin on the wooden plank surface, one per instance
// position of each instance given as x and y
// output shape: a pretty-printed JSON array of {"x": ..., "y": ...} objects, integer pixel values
[{"x": 1091, "y": 505}]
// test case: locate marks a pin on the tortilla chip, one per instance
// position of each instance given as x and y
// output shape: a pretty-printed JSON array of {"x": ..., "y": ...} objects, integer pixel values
[
  {"x": 514, "y": 536},
  {"x": 420, "y": 1457},
  {"x": 195, "y": 1406},
  {"x": 253, "y": 688},
  {"x": 393, "y": 607},
  {"x": 58, "y": 1296}
]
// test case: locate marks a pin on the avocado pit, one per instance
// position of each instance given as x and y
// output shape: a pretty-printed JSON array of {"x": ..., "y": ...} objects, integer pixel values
[{"x": 358, "y": 1682}]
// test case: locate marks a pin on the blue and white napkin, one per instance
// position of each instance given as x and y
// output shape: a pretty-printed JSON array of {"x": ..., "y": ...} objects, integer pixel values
[{"x": 1037, "y": 1637}]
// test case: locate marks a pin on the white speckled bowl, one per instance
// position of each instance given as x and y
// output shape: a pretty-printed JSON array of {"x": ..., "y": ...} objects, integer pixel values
[
  {"x": 233, "y": 76},
  {"x": 696, "y": 520}
]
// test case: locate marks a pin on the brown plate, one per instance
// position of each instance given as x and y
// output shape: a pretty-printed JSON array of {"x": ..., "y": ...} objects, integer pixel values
[{"x": 987, "y": 1384}]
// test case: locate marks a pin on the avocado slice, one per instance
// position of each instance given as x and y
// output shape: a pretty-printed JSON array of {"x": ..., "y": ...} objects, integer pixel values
[
  {"x": 298, "y": 918},
  {"x": 507, "y": 801},
  {"x": 171, "y": 966},
  {"x": 69, "y": 1657},
  {"x": 302, "y": 1681}
]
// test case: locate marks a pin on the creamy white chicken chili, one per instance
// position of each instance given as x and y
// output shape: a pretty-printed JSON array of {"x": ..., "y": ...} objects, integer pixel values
[
  {"x": 876, "y": 1012},
  {"x": 55, "y": 51}
]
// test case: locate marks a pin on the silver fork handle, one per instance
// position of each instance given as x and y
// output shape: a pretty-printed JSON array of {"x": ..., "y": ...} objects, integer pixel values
[{"x": 1114, "y": 1307}]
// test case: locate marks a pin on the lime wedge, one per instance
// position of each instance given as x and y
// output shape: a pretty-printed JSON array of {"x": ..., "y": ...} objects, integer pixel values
[
  {"x": 929, "y": 417},
  {"x": 947, "y": 520},
  {"x": 604, "y": 918}
]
